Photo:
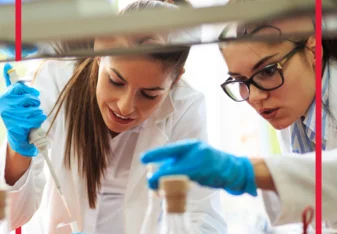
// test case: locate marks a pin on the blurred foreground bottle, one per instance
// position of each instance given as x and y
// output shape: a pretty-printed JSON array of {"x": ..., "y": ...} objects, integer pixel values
[
  {"x": 174, "y": 190},
  {"x": 150, "y": 223},
  {"x": 4, "y": 220}
]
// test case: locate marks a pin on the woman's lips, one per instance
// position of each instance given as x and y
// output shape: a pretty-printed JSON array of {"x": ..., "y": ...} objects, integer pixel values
[
  {"x": 119, "y": 119},
  {"x": 269, "y": 113}
]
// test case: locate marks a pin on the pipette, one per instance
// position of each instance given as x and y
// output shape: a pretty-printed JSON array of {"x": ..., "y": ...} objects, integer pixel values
[{"x": 39, "y": 139}]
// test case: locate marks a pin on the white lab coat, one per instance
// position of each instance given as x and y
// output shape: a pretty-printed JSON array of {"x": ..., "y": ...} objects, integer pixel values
[
  {"x": 181, "y": 116},
  {"x": 294, "y": 175}
]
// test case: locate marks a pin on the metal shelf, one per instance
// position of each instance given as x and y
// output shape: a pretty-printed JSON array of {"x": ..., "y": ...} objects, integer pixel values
[{"x": 53, "y": 20}]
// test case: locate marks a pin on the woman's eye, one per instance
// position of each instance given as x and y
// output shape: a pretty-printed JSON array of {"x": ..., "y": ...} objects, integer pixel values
[
  {"x": 268, "y": 71},
  {"x": 148, "y": 96},
  {"x": 115, "y": 83}
]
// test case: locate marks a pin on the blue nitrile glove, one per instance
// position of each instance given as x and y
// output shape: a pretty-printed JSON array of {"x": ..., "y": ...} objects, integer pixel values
[
  {"x": 203, "y": 164},
  {"x": 20, "y": 112}
]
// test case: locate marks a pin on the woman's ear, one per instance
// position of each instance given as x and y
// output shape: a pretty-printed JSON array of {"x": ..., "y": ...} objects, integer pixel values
[
  {"x": 311, "y": 44},
  {"x": 181, "y": 73}
]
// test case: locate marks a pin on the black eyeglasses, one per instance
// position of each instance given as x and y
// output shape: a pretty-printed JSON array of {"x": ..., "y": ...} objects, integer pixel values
[{"x": 267, "y": 79}]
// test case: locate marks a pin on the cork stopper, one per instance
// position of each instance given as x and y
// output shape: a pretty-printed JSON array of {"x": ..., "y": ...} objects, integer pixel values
[
  {"x": 3, "y": 204},
  {"x": 175, "y": 189}
]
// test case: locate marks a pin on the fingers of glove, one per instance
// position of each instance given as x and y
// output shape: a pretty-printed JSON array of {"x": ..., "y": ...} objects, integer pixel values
[
  {"x": 7, "y": 67},
  {"x": 20, "y": 88},
  {"x": 29, "y": 100},
  {"x": 27, "y": 120},
  {"x": 168, "y": 151},
  {"x": 203, "y": 164},
  {"x": 20, "y": 113},
  {"x": 174, "y": 167},
  {"x": 24, "y": 100},
  {"x": 17, "y": 140},
  {"x": 20, "y": 144},
  {"x": 38, "y": 120},
  {"x": 250, "y": 187},
  {"x": 238, "y": 177}
]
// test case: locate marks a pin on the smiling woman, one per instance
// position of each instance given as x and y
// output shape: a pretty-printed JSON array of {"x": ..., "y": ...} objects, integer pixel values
[
  {"x": 113, "y": 96},
  {"x": 127, "y": 94}
]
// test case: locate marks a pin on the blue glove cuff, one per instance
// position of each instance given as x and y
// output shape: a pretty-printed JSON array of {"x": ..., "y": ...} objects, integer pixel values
[
  {"x": 250, "y": 187},
  {"x": 27, "y": 150},
  {"x": 246, "y": 178}
]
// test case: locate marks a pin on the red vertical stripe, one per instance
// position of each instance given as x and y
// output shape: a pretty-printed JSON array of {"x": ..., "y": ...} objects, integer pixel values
[
  {"x": 318, "y": 117},
  {"x": 18, "y": 25},
  {"x": 18, "y": 230},
  {"x": 18, "y": 46}
]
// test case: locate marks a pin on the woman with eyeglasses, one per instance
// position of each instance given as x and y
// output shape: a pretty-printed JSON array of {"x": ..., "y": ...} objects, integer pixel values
[{"x": 278, "y": 80}]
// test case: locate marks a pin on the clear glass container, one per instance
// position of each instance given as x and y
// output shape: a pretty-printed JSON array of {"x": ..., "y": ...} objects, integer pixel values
[
  {"x": 175, "y": 223},
  {"x": 174, "y": 190},
  {"x": 4, "y": 221},
  {"x": 151, "y": 220}
]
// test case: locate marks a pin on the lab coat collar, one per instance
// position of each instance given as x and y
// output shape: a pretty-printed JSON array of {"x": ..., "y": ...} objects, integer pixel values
[
  {"x": 138, "y": 128},
  {"x": 165, "y": 110},
  {"x": 152, "y": 136},
  {"x": 310, "y": 118},
  {"x": 303, "y": 131},
  {"x": 136, "y": 192}
]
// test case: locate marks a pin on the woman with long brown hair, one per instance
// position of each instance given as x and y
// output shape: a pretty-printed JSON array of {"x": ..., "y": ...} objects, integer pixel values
[{"x": 104, "y": 112}]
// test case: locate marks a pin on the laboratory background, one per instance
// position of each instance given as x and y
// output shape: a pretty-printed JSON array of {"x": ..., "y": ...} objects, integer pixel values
[{"x": 240, "y": 131}]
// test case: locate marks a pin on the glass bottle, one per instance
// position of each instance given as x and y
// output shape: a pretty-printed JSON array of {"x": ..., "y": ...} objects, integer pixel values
[
  {"x": 4, "y": 222},
  {"x": 150, "y": 223},
  {"x": 174, "y": 190}
]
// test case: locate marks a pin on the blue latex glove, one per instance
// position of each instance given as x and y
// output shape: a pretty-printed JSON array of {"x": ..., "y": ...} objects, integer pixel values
[
  {"x": 20, "y": 112},
  {"x": 203, "y": 164}
]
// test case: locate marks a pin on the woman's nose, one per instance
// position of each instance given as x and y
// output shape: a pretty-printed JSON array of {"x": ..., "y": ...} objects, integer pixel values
[
  {"x": 126, "y": 104},
  {"x": 257, "y": 95}
]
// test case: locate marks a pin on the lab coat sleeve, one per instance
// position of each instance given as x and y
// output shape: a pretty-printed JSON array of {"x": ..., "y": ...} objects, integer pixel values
[
  {"x": 204, "y": 206},
  {"x": 26, "y": 194},
  {"x": 271, "y": 199},
  {"x": 294, "y": 177}
]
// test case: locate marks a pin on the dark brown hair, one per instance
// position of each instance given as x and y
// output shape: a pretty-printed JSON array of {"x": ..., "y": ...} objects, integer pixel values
[
  {"x": 87, "y": 135},
  {"x": 329, "y": 50}
]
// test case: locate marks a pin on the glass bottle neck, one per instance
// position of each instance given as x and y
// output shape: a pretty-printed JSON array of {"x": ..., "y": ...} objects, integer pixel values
[
  {"x": 153, "y": 196},
  {"x": 177, "y": 223},
  {"x": 153, "y": 201}
]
